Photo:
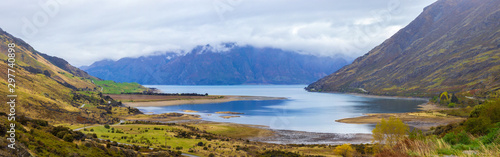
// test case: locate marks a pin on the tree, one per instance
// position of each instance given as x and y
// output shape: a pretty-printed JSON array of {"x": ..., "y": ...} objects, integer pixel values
[
  {"x": 344, "y": 150},
  {"x": 454, "y": 99},
  {"x": 200, "y": 143},
  {"x": 106, "y": 126},
  {"x": 389, "y": 132},
  {"x": 444, "y": 97}
]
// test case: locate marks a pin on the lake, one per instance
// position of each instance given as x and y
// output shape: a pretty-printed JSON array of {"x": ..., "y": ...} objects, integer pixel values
[{"x": 302, "y": 111}]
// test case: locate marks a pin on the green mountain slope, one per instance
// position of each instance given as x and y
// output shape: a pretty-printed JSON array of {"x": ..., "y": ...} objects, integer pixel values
[
  {"x": 453, "y": 45},
  {"x": 49, "y": 88}
]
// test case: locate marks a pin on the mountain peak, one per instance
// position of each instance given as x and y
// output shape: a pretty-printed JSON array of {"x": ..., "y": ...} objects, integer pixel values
[
  {"x": 452, "y": 45},
  {"x": 223, "y": 64}
]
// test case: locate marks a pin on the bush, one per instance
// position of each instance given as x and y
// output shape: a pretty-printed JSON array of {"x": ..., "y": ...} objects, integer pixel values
[
  {"x": 493, "y": 136},
  {"x": 476, "y": 111},
  {"x": 463, "y": 138},
  {"x": 460, "y": 138},
  {"x": 344, "y": 150},
  {"x": 477, "y": 126},
  {"x": 106, "y": 126},
  {"x": 389, "y": 132},
  {"x": 450, "y": 138},
  {"x": 451, "y": 105},
  {"x": 68, "y": 138},
  {"x": 200, "y": 143},
  {"x": 416, "y": 134}
]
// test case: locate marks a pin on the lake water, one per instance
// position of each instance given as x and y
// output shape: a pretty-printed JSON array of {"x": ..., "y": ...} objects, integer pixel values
[{"x": 302, "y": 111}]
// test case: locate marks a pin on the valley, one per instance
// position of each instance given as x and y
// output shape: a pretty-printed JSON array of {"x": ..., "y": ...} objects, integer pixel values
[{"x": 275, "y": 80}]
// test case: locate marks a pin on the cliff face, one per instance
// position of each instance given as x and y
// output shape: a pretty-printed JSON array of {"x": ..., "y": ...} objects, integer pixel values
[
  {"x": 453, "y": 45},
  {"x": 206, "y": 66}
]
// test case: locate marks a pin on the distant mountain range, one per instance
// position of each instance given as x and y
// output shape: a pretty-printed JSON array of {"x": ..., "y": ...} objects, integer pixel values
[
  {"x": 453, "y": 45},
  {"x": 229, "y": 65}
]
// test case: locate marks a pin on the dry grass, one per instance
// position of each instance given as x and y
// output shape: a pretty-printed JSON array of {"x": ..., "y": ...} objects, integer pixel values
[{"x": 433, "y": 146}]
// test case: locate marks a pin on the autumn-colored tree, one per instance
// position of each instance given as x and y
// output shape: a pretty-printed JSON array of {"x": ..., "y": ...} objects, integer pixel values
[
  {"x": 344, "y": 150},
  {"x": 389, "y": 132},
  {"x": 444, "y": 98}
]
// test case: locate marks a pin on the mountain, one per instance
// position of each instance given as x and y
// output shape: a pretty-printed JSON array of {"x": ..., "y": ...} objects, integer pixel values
[
  {"x": 49, "y": 88},
  {"x": 453, "y": 45},
  {"x": 229, "y": 65}
]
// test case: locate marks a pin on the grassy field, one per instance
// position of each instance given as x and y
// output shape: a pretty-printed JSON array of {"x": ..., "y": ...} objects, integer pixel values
[
  {"x": 111, "y": 87},
  {"x": 220, "y": 139},
  {"x": 233, "y": 130},
  {"x": 154, "y": 136}
]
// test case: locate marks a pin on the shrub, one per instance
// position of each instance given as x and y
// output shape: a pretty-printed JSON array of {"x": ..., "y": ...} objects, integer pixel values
[
  {"x": 416, "y": 134},
  {"x": 344, "y": 150},
  {"x": 460, "y": 138},
  {"x": 493, "y": 136},
  {"x": 477, "y": 126},
  {"x": 463, "y": 138},
  {"x": 451, "y": 105},
  {"x": 200, "y": 143},
  {"x": 68, "y": 138},
  {"x": 106, "y": 126},
  {"x": 389, "y": 132},
  {"x": 450, "y": 138},
  {"x": 476, "y": 111}
]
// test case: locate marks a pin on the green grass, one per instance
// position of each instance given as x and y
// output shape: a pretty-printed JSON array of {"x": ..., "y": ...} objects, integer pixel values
[
  {"x": 112, "y": 87},
  {"x": 141, "y": 134}
]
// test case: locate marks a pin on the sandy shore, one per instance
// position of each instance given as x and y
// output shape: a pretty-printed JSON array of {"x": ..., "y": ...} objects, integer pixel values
[
  {"x": 198, "y": 101},
  {"x": 422, "y": 120}
]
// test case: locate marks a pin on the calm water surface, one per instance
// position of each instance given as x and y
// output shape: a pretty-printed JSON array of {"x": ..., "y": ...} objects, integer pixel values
[{"x": 302, "y": 111}]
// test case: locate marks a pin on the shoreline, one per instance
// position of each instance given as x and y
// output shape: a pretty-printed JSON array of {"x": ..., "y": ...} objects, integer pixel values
[
  {"x": 283, "y": 137},
  {"x": 388, "y": 97},
  {"x": 418, "y": 120},
  {"x": 225, "y": 98}
]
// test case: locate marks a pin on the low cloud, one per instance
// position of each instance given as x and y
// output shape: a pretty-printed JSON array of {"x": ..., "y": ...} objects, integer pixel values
[{"x": 84, "y": 31}]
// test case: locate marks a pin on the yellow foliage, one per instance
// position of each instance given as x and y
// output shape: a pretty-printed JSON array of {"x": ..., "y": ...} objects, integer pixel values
[
  {"x": 344, "y": 150},
  {"x": 389, "y": 132},
  {"x": 444, "y": 94}
]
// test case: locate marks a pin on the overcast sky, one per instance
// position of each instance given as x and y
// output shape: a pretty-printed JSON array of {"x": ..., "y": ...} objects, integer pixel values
[{"x": 85, "y": 31}]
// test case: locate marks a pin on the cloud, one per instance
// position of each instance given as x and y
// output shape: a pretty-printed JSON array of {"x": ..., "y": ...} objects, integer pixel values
[{"x": 84, "y": 31}]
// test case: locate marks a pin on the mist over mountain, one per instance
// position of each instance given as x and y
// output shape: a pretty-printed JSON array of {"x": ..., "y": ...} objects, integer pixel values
[
  {"x": 226, "y": 65},
  {"x": 453, "y": 45}
]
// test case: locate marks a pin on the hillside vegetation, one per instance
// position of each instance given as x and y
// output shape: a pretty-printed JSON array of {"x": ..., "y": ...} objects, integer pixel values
[
  {"x": 112, "y": 87},
  {"x": 453, "y": 45},
  {"x": 50, "y": 88}
]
